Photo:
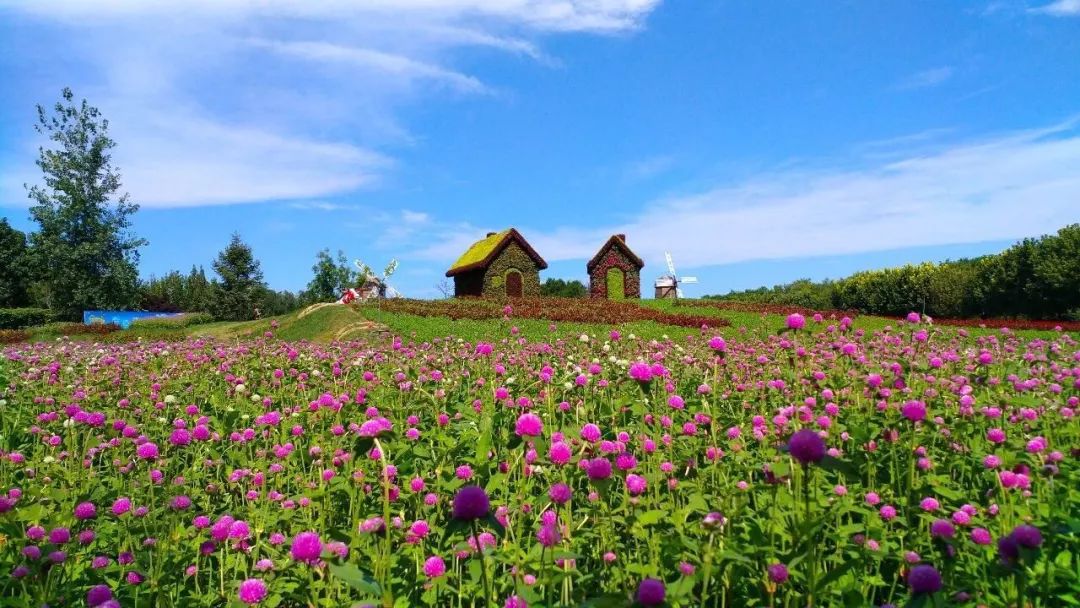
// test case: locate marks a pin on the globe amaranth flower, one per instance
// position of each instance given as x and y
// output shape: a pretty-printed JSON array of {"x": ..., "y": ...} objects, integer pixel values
[
  {"x": 85, "y": 510},
  {"x": 252, "y": 591},
  {"x": 796, "y": 321},
  {"x": 650, "y": 592},
  {"x": 806, "y": 446},
  {"x": 98, "y": 595},
  {"x": 548, "y": 535},
  {"x": 147, "y": 451},
  {"x": 598, "y": 469},
  {"x": 306, "y": 547},
  {"x": 635, "y": 484},
  {"x": 529, "y": 425},
  {"x": 560, "y": 493},
  {"x": 924, "y": 579},
  {"x": 471, "y": 503},
  {"x": 778, "y": 573},
  {"x": 434, "y": 567}
]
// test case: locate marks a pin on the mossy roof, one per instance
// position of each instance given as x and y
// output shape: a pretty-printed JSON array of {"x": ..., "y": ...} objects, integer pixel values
[
  {"x": 618, "y": 243},
  {"x": 483, "y": 252}
]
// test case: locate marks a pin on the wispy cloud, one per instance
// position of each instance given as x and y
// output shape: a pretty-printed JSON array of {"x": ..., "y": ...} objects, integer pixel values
[
  {"x": 233, "y": 101},
  {"x": 648, "y": 168},
  {"x": 925, "y": 79},
  {"x": 1009, "y": 186},
  {"x": 1060, "y": 8},
  {"x": 388, "y": 63}
]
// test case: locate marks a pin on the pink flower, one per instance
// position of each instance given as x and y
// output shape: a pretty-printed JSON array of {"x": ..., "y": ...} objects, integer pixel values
[{"x": 529, "y": 425}]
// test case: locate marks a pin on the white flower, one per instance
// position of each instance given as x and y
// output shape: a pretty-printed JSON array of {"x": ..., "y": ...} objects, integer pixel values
[
  {"x": 70, "y": 422},
  {"x": 48, "y": 460},
  {"x": 583, "y": 338},
  {"x": 170, "y": 398},
  {"x": 607, "y": 348},
  {"x": 240, "y": 388}
]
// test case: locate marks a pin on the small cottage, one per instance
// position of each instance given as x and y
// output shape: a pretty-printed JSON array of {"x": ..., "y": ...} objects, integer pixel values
[
  {"x": 502, "y": 264},
  {"x": 615, "y": 271}
]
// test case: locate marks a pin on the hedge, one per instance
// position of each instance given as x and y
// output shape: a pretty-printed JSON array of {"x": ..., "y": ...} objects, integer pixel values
[
  {"x": 18, "y": 318},
  {"x": 177, "y": 322}
]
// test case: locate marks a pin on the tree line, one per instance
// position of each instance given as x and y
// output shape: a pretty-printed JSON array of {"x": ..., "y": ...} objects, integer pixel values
[
  {"x": 1037, "y": 278},
  {"x": 84, "y": 256}
]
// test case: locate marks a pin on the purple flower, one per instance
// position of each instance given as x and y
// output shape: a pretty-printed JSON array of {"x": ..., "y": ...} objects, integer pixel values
[
  {"x": 635, "y": 484},
  {"x": 560, "y": 493},
  {"x": 942, "y": 528},
  {"x": 778, "y": 573},
  {"x": 252, "y": 591},
  {"x": 598, "y": 469},
  {"x": 470, "y": 503},
  {"x": 85, "y": 510},
  {"x": 306, "y": 547},
  {"x": 650, "y": 592},
  {"x": 59, "y": 536},
  {"x": 434, "y": 567},
  {"x": 147, "y": 451},
  {"x": 796, "y": 321},
  {"x": 914, "y": 411},
  {"x": 548, "y": 535},
  {"x": 1027, "y": 536},
  {"x": 529, "y": 425},
  {"x": 806, "y": 446},
  {"x": 924, "y": 579},
  {"x": 641, "y": 372},
  {"x": 98, "y": 595}
]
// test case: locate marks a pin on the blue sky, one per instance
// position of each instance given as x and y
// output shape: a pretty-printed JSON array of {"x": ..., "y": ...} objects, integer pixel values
[{"x": 759, "y": 142}]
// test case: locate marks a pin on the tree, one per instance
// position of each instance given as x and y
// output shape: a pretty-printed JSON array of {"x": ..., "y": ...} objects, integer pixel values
[
  {"x": 332, "y": 278},
  {"x": 562, "y": 289},
  {"x": 239, "y": 292},
  {"x": 83, "y": 252},
  {"x": 15, "y": 271}
]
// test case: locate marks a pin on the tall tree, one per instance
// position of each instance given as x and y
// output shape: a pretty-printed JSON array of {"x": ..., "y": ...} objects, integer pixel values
[
  {"x": 14, "y": 272},
  {"x": 331, "y": 278},
  {"x": 240, "y": 291},
  {"x": 84, "y": 252}
]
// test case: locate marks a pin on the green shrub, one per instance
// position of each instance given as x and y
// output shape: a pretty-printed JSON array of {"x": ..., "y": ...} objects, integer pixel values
[
  {"x": 179, "y": 322},
  {"x": 73, "y": 329},
  {"x": 18, "y": 318}
]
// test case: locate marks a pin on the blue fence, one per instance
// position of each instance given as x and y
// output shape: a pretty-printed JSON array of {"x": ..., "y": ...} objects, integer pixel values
[{"x": 123, "y": 318}]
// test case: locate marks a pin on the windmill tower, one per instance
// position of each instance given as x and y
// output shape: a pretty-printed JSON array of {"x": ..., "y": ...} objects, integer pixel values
[{"x": 667, "y": 286}]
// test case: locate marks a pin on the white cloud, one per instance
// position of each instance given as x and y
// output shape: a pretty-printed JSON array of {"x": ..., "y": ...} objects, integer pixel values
[
  {"x": 238, "y": 101},
  {"x": 556, "y": 15},
  {"x": 925, "y": 78},
  {"x": 414, "y": 217},
  {"x": 648, "y": 168},
  {"x": 1006, "y": 187},
  {"x": 1060, "y": 8},
  {"x": 388, "y": 63}
]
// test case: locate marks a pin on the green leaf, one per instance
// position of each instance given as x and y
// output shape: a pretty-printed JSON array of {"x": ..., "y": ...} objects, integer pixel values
[
  {"x": 356, "y": 578},
  {"x": 652, "y": 517}
]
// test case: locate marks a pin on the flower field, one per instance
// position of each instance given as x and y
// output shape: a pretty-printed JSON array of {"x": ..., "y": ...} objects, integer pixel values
[{"x": 827, "y": 465}]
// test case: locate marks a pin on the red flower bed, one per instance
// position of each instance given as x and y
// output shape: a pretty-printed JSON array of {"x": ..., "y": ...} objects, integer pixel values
[
  {"x": 778, "y": 309},
  {"x": 572, "y": 310}
]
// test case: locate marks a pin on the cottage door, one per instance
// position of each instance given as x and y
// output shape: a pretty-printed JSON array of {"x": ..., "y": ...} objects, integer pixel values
[
  {"x": 513, "y": 284},
  {"x": 616, "y": 284}
]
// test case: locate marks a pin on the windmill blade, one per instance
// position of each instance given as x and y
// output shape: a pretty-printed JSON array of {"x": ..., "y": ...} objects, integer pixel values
[
  {"x": 688, "y": 280},
  {"x": 678, "y": 291},
  {"x": 670, "y": 263}
]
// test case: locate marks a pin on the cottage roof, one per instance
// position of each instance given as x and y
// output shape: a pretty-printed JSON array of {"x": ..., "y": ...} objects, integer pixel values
[
  {"x": 484, "y": 251},
  {"x": 616, "y": 241}
]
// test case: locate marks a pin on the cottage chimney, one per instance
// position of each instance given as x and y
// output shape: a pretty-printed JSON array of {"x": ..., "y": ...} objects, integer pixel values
[
  {"x": 492, "y": 233},
  {"x": 622, "y": 237}
]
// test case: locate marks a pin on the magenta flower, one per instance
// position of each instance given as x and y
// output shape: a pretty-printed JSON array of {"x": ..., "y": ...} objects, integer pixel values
[
  {"x": 306, "y": 547},
  {"x": 85, "y": 510},
  {"x": 796, "y": 321},
  {"x": 529, "y": 425},
  {"x": 252, "y": 591},
  {"x": 434, "y": 567}
]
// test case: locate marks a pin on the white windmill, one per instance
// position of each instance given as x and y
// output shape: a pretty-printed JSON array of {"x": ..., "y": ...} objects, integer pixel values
[{"x": 668, "y": 286}]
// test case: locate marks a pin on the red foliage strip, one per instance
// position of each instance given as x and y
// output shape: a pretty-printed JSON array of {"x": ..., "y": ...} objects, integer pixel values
[
  {"x": 779, "y": 309},
  {"x": 570, "y": 310}
]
